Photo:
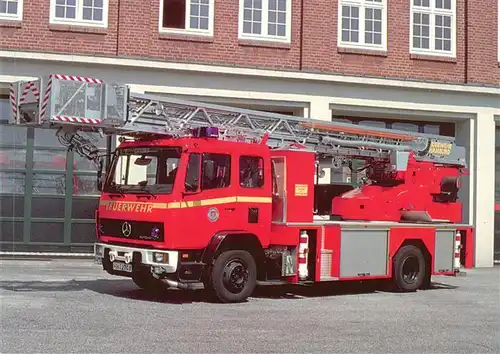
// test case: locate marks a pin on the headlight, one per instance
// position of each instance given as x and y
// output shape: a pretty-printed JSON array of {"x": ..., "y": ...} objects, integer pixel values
[
  {"x": 159, "y": 257},
  {"x": 99, "y": 251}
]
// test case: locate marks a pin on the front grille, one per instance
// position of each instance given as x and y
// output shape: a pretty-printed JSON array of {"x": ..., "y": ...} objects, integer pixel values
[{"x": 132, "y": 230}]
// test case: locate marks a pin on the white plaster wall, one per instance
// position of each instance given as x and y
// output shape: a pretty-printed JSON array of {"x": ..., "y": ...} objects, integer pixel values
[
  {"x": 319, "y": 108},
  {"x": 465, "y": 135},
  {"x": 485, "y": 188}
]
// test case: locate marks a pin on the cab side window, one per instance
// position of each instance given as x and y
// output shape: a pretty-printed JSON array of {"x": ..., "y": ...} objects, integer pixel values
[
  {"x": 192, "y": 181},
  {"x": 251, "y": 172},
  {"x": 216, "y": 171}
]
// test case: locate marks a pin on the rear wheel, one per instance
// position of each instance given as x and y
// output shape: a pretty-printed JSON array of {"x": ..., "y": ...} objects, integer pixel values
[
  {"x": 233, "y": 276},
  {"x": 408, "y": 272}
]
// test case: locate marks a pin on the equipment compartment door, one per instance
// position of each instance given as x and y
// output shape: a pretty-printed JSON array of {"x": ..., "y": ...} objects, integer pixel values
[
  {"x": 363, "y": 252},
  {"x": 444, "y": 251}
]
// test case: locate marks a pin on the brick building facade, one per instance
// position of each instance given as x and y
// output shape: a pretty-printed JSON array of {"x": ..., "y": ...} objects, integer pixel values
[
  {"x": 382, "y": 40},
  {"x": 424, "y": 65}
]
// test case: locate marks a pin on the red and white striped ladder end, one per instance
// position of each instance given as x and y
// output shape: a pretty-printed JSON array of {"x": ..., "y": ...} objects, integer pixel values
[
  {"x": 78, "y": 78},
  {"x": 46, "y": 97},
  {"x": 77, "y": 120},
  {"x": 30, "y": 86},
  {"x": 13, "y": 100}
]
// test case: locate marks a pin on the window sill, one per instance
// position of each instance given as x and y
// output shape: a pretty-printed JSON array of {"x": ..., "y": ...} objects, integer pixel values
[
  {"x": 433, "y": 57},
  {"x": 10, "y": 23},
  {"x": 187, "y": 37},
  {"x": 362, "y": 51},
  {"x": 264, "y": 43},
  {"x": 77, "y": 29}
]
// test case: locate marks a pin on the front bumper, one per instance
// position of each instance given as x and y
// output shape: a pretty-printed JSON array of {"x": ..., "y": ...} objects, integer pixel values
[{"x": 105, "y": 253}]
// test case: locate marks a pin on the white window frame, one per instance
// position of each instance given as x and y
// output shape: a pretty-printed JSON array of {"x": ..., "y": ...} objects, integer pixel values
[
  {"x": 432, "y": 11},
  {"x": 78, "y": 21},
  {"x": 190, "y": 31},
  {"x": 265, "y": 18},
  {"x": 362, "y": 4},
  {"x": 16, "y": 17}
]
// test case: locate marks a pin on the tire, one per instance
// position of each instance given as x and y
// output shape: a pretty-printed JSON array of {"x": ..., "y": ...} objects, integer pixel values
[
  {"x": 145, "y": 280},
  {"x": 408, "y": 269},
  {"x": 233, "y": 276}
]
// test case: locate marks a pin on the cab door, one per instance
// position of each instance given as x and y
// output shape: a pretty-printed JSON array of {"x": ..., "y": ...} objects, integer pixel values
[
  {"x": 254, "y": 193},
  {"x": 208, "y": 204}
]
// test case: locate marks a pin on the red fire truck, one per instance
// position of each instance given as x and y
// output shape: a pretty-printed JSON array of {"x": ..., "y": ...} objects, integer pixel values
[{"x": 205, "y": 196}]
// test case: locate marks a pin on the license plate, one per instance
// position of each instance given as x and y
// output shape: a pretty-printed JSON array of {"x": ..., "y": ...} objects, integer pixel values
[{"x": 122, "y": 267}]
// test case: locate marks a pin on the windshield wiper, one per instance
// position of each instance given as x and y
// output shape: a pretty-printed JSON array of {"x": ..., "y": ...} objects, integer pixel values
[
  {"x": 118, "y": 189},
  {"x": 145, "y": 188}
]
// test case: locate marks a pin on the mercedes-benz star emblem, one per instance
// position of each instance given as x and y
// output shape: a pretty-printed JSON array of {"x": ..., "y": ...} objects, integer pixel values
[{"x": 126, "y": 229}]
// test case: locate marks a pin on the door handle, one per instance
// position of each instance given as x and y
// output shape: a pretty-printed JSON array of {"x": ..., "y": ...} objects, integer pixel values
[{"x": 229, "y": 209}]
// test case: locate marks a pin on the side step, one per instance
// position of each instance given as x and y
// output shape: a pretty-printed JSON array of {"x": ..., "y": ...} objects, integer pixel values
[
  {"x": 272, "y": 282},
  {"x": 283, "y": 282}
]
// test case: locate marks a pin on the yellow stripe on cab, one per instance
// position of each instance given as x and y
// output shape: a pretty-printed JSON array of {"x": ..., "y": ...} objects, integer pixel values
[{"x": 146, "y": 207}]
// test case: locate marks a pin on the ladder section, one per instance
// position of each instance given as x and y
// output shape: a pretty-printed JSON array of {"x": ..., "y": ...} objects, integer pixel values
[
  {"x": 236, "y": 123},
  {"x": 150, "y": 113},
  {"x": 58, "y": 100},
  {"x": 75, "y": 105}
]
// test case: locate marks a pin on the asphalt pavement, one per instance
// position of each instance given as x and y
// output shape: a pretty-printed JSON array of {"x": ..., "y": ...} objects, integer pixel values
[{"x": 72, "y": 306}]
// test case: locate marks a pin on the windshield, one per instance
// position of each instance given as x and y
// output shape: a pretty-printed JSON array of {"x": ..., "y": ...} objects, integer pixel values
[{"x": 143, "y": 170}]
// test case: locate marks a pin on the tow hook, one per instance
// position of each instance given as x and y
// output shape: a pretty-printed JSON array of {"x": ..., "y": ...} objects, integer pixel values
[
  {"x": 176, "y": 284},
  {"x": 156, "y": 271}
]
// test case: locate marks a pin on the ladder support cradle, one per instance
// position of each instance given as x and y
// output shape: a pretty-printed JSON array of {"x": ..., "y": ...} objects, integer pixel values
[{"x": 78, "y": 106}]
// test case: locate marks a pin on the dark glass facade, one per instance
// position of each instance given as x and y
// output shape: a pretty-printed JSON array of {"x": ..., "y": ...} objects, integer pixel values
[
  {"x": 497, "y": 195},
  {"x": 47, "y": 194}
]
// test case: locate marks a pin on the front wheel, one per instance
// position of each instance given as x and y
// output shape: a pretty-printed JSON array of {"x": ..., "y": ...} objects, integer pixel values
[
  {"x": 409, "y": 270},
  {"x": 233, "y": 276}
]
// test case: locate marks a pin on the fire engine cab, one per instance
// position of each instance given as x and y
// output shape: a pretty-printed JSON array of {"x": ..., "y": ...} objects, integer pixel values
[{"x": 206, "y": 196}]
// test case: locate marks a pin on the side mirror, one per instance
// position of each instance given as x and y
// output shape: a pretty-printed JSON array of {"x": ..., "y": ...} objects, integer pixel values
[
  {"x": 142, "y": 161},
  {"x": 99, "y": 176}
]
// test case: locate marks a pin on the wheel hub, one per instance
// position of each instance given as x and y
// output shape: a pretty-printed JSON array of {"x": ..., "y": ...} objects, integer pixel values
[
  {"x": 235, "y": 276},
  {"x": 410, "y": 269}
]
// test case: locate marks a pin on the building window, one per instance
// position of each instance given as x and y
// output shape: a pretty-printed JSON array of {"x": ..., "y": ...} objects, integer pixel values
[
  {"x": 187, "y": 16},
  {"x": 433, "y": 27},
  {"x": 362, "y": 24},
  {"x": 265, "y": 20},
  {"x": 11, "y": 10},
  {"x": 79, "y": 12}
]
